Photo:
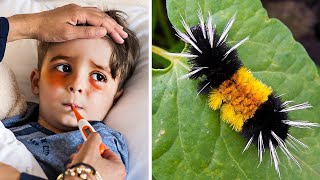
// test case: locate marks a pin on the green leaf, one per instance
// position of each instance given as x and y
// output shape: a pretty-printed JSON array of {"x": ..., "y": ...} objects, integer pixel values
[{"x": 189, "y": 141}]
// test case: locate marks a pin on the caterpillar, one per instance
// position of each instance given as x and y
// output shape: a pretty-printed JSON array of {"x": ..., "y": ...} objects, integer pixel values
[{"x": 247, "y": 104}]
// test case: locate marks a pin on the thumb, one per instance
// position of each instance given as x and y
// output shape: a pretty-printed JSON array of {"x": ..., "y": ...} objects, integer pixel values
[
  {"x": 84, "y": 32},
  {"x": 110, "y": 155},
  {"x": 91, "y": 146}
]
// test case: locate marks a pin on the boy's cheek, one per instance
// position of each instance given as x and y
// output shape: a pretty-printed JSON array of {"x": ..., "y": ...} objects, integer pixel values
[
  {"x": 98, "y": 112},
  {"x": 55, "y": 80},
  {"x": 50, "y": 86},
  {"x": 98, "y": 105},
  {"x": 95, "y": 85}
]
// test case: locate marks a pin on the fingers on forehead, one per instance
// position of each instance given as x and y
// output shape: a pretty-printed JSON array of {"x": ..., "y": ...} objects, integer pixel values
[
  {"x": 115, "y": 36},
  {"x": 92, "y": 8}
]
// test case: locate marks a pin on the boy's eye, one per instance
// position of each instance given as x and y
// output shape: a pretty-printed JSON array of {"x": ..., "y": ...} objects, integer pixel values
[
  {"x": 64, "y": 68},
  {"x": 99, "y": 77}
]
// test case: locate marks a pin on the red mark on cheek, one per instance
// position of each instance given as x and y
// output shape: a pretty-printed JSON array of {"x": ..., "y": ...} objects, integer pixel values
[
  {"x": 55, "y": 79},
  {"x": 95, "y": 84}
]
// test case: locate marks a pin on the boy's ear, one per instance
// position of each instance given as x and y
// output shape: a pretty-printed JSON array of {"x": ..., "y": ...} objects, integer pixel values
[{"x": 34, "y": 78}]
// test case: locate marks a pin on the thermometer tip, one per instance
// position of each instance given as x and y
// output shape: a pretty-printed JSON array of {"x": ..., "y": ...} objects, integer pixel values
[{"x": 76, "y": 113}]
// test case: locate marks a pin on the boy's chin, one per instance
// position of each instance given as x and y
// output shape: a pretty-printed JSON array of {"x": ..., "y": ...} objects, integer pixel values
[
  {"x": 67, "y": 125},
  {"x": 70, "y": 125}
]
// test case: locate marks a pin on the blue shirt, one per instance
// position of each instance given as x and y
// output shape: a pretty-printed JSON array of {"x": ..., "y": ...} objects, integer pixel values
[
  {"x": 4, "y": 29},
  {"x": 52, "y": 151}
]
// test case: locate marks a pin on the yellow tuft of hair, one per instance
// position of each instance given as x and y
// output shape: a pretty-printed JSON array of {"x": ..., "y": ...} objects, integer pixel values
[
  {"x": 243, "y": 75},
  {"x": 229, "y": 115},
  {"x": 242, "y": 95},
  {"x": 215, "y": 99}
]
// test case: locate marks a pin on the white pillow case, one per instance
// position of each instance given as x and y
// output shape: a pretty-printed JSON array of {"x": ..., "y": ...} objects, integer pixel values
[{"x": 130, "y": 114}]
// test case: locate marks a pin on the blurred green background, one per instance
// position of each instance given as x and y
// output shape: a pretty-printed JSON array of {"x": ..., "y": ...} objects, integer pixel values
[{"x": 302, "y": 17}]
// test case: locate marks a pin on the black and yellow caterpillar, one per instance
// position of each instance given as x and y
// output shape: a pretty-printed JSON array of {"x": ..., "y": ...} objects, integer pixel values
[{"x": 247, "y": 104}]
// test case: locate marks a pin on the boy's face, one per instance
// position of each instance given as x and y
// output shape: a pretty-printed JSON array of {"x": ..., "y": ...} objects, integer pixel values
[{"x": 75, "y": 72}]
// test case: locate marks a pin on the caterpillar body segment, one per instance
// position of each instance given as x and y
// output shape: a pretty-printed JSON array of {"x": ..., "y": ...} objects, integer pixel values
[{"x": 247, "y": 104}]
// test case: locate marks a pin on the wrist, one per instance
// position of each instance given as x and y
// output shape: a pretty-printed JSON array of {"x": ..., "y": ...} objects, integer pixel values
[
  {"x": 22, "y": 26},
  {"x": 80, "y": 171}
]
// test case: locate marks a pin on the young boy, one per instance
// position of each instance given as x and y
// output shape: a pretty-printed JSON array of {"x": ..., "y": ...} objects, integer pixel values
[{"x": 87, "y": 73}]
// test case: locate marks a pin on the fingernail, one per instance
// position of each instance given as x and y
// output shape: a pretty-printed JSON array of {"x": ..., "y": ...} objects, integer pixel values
[
  {"x": 125, "y": 35},
  {"x": 121, "y": 41}
]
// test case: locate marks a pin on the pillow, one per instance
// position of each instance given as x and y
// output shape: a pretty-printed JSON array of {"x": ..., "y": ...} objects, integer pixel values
[{"x": 130, "y": 115}]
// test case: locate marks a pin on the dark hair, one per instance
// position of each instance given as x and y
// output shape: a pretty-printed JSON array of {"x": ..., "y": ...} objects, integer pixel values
[{"x": 123, "y": 57}]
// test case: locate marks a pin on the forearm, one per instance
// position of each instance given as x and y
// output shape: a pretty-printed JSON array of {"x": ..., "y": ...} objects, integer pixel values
[
  {"x": 59, "y": 25},
  {"x": 22, "y": 26}
]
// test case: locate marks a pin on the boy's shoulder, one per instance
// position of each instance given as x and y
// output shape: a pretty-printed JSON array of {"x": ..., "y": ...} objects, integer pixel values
[
  {"x": 29, "y": 115},
  {"x": 102, "y": 128},
  {"x": 47, "y": 145}
]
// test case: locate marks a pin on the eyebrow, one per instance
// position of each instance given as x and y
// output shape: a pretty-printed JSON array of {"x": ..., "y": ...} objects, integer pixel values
[
  {"x": 105, "y": 68},
  {"x": 59, "y": 57},
  {"x": 55, "y": 58}
]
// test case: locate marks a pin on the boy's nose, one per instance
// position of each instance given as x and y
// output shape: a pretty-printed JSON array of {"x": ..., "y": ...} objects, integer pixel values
[
  {"x": 76, "y": 82},
  {"x": 73, "y": 90}
]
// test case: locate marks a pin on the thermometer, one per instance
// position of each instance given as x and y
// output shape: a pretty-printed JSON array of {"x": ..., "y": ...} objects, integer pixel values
[{"x": 85, "y": 128}]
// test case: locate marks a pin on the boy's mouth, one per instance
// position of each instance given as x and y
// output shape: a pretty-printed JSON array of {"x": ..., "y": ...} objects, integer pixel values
[{"x": 70, "y": 104}]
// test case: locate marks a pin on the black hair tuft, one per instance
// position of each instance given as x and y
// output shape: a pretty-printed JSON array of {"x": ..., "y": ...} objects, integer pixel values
[{"x": 217, "y": 70}]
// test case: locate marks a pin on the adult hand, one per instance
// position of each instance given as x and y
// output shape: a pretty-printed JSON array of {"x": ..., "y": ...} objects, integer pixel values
[
  {"x": 109, "y": 165},
  {"x": 59, "y": 25},
  {"x": 8, "y": 172}
]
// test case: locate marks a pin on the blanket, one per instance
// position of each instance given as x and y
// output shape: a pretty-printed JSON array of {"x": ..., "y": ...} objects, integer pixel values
[{"x": 12, "y": 151}]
